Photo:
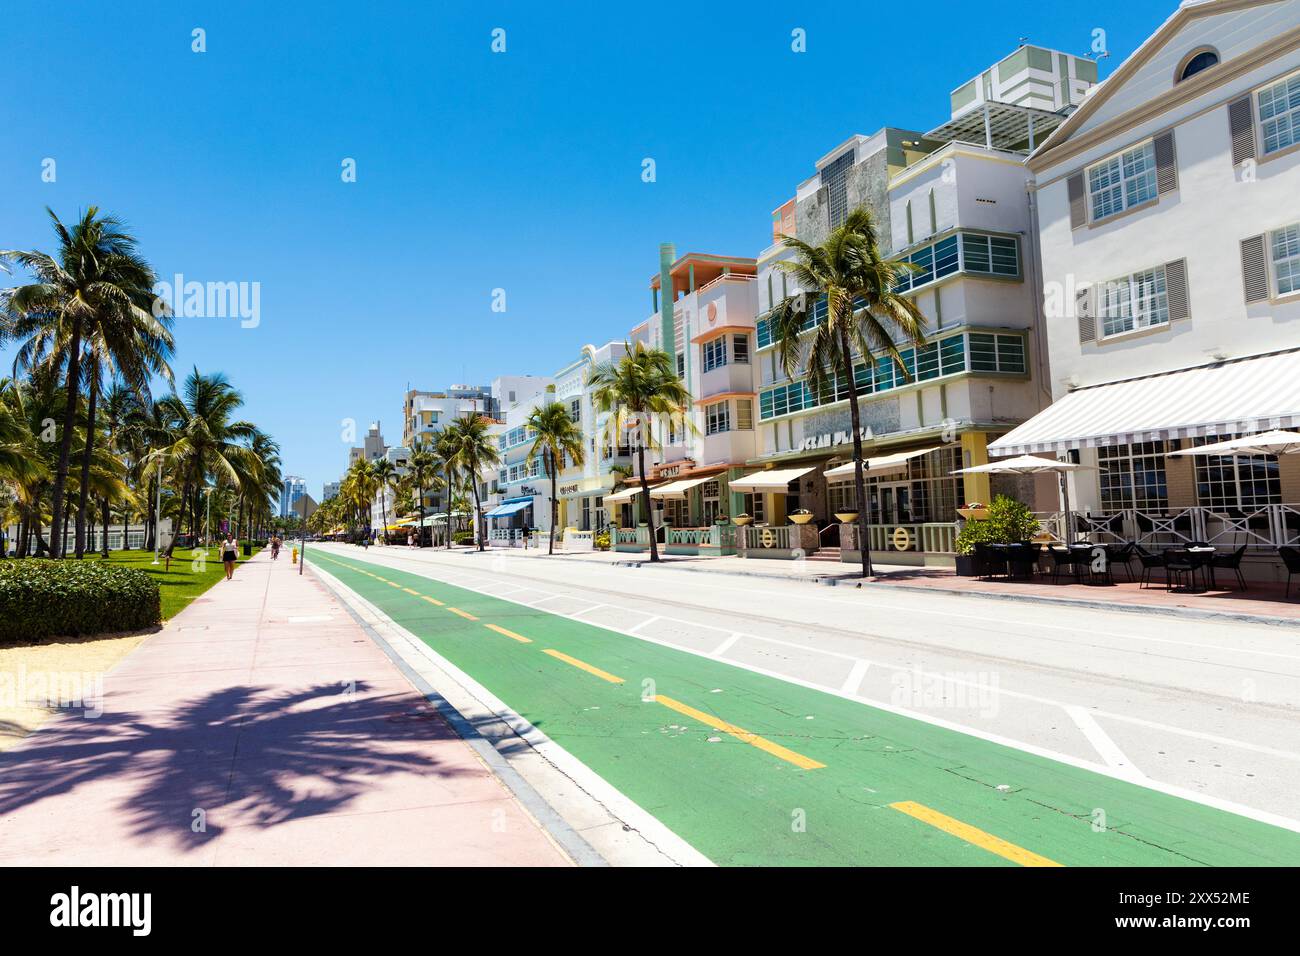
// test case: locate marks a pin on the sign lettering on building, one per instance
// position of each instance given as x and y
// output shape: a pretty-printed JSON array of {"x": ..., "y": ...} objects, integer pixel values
[{"x": 831, "y": 439}]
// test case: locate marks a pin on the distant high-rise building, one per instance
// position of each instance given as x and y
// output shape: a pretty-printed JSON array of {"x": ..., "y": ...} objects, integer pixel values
[
  {"x": 331, "y": 490},
  {"x": 293, "y": 489}
]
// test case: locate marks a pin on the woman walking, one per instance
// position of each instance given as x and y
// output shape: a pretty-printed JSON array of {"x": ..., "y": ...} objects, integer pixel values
[{"x": 229, "y": 554}]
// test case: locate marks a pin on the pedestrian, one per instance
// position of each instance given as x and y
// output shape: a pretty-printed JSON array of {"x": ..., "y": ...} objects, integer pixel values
[{"x": 229, "y": 554}]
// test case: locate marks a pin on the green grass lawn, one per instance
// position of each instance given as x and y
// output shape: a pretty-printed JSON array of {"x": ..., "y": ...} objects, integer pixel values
[{"x": 180, "y": 585}]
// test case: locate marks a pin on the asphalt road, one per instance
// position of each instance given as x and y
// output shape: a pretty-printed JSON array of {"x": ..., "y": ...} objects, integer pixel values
[{"x": 774, "y": 722}]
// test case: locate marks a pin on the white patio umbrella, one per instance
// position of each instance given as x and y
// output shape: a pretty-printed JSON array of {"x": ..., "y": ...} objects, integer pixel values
[
  {"x": 1031, "y": 465},
  {"x": 1268, "y": 443}
]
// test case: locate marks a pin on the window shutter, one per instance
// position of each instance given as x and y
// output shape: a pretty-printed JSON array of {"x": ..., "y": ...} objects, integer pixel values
[
  {"x": 1241, "y": 123},
  {"x": 1166, "y": 163},
  {"x": 1176, "y": 289},
  {"x": 1078, "y": 201},
  {"x": 1083, "y": 312},
  {"x": 1254, "y": 269}
]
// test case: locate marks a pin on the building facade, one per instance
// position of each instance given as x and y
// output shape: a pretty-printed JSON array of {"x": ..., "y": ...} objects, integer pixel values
[
  {"x": 292, "y": 489},
  {"x": 606, "y": 456},
  {"x": 1168, "y": 213}
]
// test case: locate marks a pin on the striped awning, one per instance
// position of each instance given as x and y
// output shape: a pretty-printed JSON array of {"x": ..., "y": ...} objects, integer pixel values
[
  {"x": 775, "y": 480},
  {"x": 1240, "y": 395},
  {"x": 882, "y": 465},
  {"x": 677, "y": 489},
  {"x": 626, "y": 494}
]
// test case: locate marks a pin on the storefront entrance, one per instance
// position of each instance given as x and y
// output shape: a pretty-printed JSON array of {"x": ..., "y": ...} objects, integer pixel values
[{"x": 895, "y": 503}]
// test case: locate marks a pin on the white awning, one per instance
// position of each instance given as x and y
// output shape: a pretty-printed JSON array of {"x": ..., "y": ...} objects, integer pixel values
[
  {"x": 768, "y": 480},
  {"x": 677, "y": 489},
  {"x": 879, "y": 466},
  {"x": 1241, "y": 395},
  {"x": 625, "y": 494}
]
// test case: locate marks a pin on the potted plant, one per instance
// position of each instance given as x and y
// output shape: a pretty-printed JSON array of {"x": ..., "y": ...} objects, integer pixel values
[
  {"x": 974, "y": 511},
  {"x": 1007, "y": 521},
  {"x": 802, "y": 516},
  {"x": 744, "y": 518},
  {"x": 721, "y": 519},
  {"x": 846, "y": 517}
]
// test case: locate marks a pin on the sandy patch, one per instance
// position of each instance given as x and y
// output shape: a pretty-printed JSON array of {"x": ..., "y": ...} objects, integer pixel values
[{"x": 59, "y": 665}]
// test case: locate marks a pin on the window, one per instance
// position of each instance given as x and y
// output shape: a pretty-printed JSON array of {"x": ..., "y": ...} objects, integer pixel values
[
  {"x": 1286, "y": 259},
  {"x": 1133, "y": 477},
  {"x": 1139, "y": 301},
  {"x": 990, "y": 255},
  {"x": 744, "y": 414},
  {"x": 715, "y": 353},
  {"x": 1236, "y": 481},
  {"x": 717, "y": 418},
  {"x": 740, "y": 349},
  {"x": 754, "y": 506},
  {"x": 996, "y": 353},
  {"x": 835, "y": 178},
  {"x": 1201, "y": 61},
  {"x": 681, "y": 364},
  {"x": 1279, "y": 114},
  {"x": 575, "y": 410},
  {"x": 710, "y": 500},
  {"x": 1123, "y": 181}
]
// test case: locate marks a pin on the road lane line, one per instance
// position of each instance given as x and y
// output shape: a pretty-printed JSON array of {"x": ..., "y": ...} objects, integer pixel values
[
  {"x": 426, "y": 597},
  {"x": 583, "y": 665},
  {"x": 648, "y": 621},
  {"x": 726, "y": 645},
  {"x": 1101, "y": 742},
  {"x": 411, "y": 591},
  {"x": 740, "y": 733},
  {"x": 973, "y": 835},
  {"x": 501, "y": 630},
  {"x": 465, "y": 614},
  {"x": 854, "y": 680}
]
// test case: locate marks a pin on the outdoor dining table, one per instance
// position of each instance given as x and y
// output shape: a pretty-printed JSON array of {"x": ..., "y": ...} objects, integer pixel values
[{"x": 1200, "y": 557}]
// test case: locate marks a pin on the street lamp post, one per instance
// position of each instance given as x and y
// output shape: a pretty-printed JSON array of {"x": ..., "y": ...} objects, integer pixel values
[{"x": 157, "y": 517}]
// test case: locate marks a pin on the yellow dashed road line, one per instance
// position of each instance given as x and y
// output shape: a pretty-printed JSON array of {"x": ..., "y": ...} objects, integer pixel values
[
  {"x": 511, "y": 634},
  {"x": 583, "y": 665},
  {"x": 432, "y": 600},
  {"x": 973, "y": 835},
  {"x": 409, "y": 591},
  {"x": 762, "y": 743},
  {"x": 464, "y": 614}
]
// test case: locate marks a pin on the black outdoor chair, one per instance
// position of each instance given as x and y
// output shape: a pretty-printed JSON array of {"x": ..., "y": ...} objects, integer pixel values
[
  {"x": 1230, "y": 562},
  {"x": 1291, "y": 558},
  {"x": 1178, "y": 568},
  {"x": 1119, "y": 555},
  {"x": 1069, "y": 560},
  {"x": 1022, "y": 560},
  {"x": 1148, "y": 562},
  {"x": 990, "y": 561}
]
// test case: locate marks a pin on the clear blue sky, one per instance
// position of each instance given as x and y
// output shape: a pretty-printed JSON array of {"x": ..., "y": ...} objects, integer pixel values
[{"x": 474, "y": 170}]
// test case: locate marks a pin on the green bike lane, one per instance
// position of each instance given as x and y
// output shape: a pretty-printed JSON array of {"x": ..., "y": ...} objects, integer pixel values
[{"x": 753, "y": 770}]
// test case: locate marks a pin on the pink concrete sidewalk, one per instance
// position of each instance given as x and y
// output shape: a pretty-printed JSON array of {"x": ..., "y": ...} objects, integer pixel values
[{"x": 261, "y": 726}]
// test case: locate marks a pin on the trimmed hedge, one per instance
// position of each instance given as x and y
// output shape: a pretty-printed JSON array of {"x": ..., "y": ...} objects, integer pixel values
[{"x": 40, "y": 598}]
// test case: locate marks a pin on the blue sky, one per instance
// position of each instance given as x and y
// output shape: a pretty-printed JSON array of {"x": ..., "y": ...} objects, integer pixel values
[{"x": 475, "y": 170}]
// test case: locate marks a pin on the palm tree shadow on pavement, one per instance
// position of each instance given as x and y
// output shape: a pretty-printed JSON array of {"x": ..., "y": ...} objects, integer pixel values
[{"x": 244, "y": 756}]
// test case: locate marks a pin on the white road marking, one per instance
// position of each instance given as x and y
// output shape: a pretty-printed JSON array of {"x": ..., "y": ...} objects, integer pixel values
[
  {"x": 1102, "y": 743},
  {"x": 727, "y": 644},
  {"x": 854, "y": 680},
  {"x": 636, "y": 627}
]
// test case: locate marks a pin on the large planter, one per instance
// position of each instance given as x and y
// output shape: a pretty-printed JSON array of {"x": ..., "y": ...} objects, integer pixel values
[
  {"x": 743, "y": 520},
  {"x": 966, "y": 566},
  {"x": 973, "y": 514},
  {"x": 846, "y": 517},
  {"x": 801, "y": 519}
]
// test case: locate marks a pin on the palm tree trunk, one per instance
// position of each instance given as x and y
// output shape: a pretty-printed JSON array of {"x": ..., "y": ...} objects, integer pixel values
[
  {"x": 555, "y": 506},
  {"x": 72, "y": 390},
  {"x": 645, "y": 498},
  {"x": 859, "y": 485},
  {"x": 83, "y": 492},
  {"x": 478, "y": 513},
  {"x": 449, "y": 497},
  {"x": 104, "y": 512}
]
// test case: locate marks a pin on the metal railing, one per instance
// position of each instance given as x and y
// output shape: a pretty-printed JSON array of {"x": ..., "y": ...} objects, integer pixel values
[
  {"x": 1259, "y": 528},
  {"x": 933, "y": 537},
  {"x": 765, "y": 538}
]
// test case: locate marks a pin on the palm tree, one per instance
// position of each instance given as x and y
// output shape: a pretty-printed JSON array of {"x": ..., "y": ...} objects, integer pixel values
[
  {"x": 475, "y": 451},
  {"x": 422, "y": 470},
  {"x": 864, "y": 318},
  {"x": 444, "y": 447},
  {"x": 96, "y": 281},
  {"x": 385, "y": 473},
  {"x": 640, "y": 387},
  {"x": 558, "y": 436},
  {"x": 358, "y": 488},
  {"x": 210, "y": 445}
]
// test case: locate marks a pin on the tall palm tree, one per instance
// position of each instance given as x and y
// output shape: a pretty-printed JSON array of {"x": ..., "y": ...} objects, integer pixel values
[
  {"x": 358, "y": 487},
  {"x": 385, "y": 473},
  {"x": 210, "y": 444},
  {"x": 422, "y": 470},
  {"x": 640, "y": 388},
  {"x": 475, "y": 451},
  {"x": 444, "y": 447},
  {"x": 95, "y": 277},
  {"x": 865, "y": 318},
  {"x": 557, "y": 436}
]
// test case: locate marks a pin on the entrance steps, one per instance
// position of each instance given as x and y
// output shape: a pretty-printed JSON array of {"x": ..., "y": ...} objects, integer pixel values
[{"x": 825, "y": 554}]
